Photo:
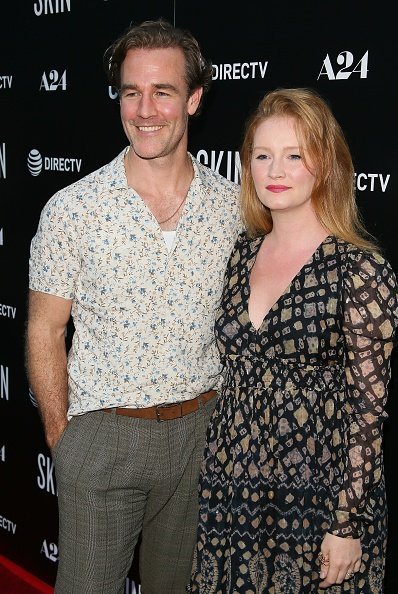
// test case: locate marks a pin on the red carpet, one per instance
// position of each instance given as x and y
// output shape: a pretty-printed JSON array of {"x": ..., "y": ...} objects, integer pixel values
[{"x": 16, "y": 580}]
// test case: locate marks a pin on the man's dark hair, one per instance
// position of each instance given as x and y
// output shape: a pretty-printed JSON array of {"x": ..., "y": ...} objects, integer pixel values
[{"x": 160, "y": 34}]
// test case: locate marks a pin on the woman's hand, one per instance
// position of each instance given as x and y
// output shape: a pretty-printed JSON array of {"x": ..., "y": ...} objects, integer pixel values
[{"x": 339, "y": 559}]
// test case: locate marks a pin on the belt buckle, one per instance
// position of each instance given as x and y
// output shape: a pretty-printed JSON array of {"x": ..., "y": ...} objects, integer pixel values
[{"x": 165, "y": 405}]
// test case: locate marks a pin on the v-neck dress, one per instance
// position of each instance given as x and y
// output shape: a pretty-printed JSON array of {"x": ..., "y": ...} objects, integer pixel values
[{"x": 293, "y": 449}]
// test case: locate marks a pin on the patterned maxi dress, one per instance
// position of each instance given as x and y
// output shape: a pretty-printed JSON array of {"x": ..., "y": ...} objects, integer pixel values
[{"x": 293, "y": 449}]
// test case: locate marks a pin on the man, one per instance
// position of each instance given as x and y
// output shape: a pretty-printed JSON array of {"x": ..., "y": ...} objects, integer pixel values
[{"x": 136, "y": 253}]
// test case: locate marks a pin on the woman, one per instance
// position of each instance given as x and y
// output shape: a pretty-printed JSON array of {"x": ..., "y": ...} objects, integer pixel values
[{"x": 292, "y": 493}]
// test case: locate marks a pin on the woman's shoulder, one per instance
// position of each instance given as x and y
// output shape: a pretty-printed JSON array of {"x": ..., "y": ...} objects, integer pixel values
[
  {"x": 246, "y": 244},
  {"x": 245, "y": 240},
  {"x": 357, "y": 258},
  {"x": 369, "y": 280},
  {"x": 244, "y": 249}
]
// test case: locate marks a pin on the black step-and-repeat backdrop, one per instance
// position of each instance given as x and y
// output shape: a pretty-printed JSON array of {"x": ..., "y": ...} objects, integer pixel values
[{"x": 59, "y": 121}]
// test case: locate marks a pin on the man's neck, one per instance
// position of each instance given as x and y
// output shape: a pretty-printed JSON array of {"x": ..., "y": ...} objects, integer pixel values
[
  {"x": 160, "y": 175},
  {"x": 162, "y": 184}
]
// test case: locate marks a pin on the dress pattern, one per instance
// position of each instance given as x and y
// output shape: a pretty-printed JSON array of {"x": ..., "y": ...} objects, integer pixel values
[{"x": 293, "y": 449}]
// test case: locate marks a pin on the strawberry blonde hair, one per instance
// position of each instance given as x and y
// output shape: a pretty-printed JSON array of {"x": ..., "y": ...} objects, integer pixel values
[{"x": 321, "y": 137}]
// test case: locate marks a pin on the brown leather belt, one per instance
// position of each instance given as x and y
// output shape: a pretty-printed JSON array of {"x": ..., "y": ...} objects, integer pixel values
[{"x": 165, "y": 412}]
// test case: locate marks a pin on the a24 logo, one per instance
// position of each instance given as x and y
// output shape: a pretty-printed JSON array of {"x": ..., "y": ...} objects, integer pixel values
[
  {"x": 53, "y": 81},
  {"x": 50, "y": 550},
  {"x": 348, "y": 65}
]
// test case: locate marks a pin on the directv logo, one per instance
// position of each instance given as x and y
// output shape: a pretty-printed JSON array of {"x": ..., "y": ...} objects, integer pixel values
[
  {"x": 61, "y": 164},
  {"x": 35, "y": 162}
]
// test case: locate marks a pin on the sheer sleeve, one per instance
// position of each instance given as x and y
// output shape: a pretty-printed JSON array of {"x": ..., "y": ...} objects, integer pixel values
[{"x": 369, "y": 326}]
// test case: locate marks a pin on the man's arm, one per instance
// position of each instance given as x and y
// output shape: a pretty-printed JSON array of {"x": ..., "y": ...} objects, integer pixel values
[{"x": 46, "y": 360}]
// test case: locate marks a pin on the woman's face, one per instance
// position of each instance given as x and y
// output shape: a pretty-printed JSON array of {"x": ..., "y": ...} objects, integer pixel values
[{"x": 281, "y": 179}]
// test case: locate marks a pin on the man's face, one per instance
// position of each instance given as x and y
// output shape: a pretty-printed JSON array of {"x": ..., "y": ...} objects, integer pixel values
[{"x": 154, "y": 102}]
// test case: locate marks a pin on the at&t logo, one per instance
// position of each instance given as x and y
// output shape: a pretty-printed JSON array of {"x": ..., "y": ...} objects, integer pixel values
[
  {"x": 53, "y": 81},
  {"x": 348, "y": 65},
  {"x": 32, "y": 398},
  {"x": 35, "y": 162}
]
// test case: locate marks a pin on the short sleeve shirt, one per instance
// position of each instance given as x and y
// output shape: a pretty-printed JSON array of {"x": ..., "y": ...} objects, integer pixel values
[{"x": 143, "y": 315}]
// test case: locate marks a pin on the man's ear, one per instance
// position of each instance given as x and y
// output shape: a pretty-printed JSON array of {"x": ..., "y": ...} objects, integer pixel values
[{"x": 194, "y": 100}]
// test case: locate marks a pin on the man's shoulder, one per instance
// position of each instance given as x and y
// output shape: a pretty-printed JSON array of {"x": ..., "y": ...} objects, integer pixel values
[
  {"x": 108, "y": 175},
  {"x": 214, "y": 179},
  {"x": 90, "y": 185}
]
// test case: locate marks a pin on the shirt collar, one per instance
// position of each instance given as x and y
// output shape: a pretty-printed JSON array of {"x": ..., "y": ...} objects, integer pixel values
[{"x": 113, "y": 174}]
